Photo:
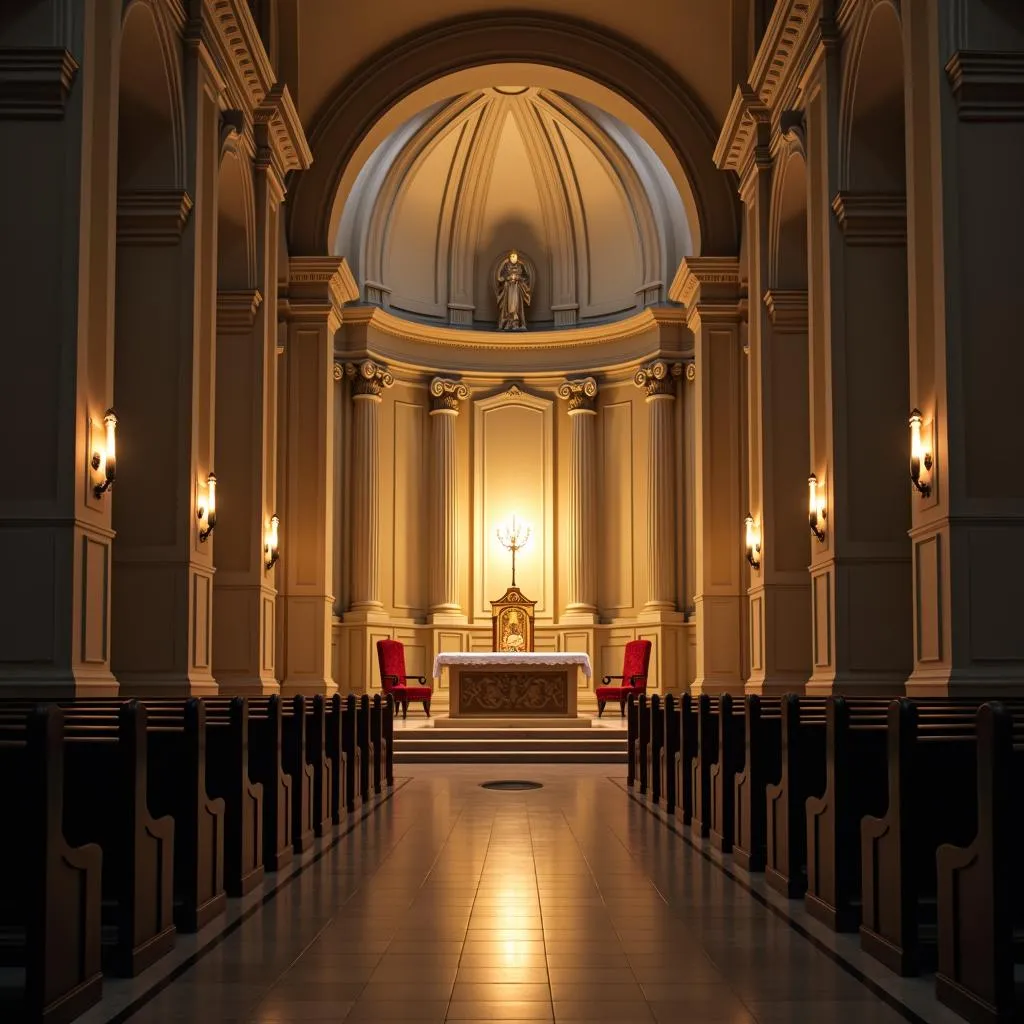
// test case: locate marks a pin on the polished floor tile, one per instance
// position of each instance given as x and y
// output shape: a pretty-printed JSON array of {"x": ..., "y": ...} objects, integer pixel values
[{"x": 568, "y": 903}]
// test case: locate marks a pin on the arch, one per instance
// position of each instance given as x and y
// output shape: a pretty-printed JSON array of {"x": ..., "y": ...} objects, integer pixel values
[
  {"x": 621, "y": 77},
  {"x": 236, "y": 223},
  {"x": 151, "y": 119},
  {"x": 787, "y": 231},
  {"x": 872, "y": 124}
]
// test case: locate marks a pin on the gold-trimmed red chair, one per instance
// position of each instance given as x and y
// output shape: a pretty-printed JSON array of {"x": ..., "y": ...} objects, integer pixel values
[
  {"x": 635, "y": 662},
  {"x": 395, "y": 680}
]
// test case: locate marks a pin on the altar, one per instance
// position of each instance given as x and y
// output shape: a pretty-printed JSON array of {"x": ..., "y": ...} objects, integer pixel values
[{"x": 540, "y": 684}]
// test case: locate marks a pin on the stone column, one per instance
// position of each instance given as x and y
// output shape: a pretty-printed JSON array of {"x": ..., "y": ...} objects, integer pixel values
[
  {"x": 58, "y": 125},
  {"x": 368, "y": 381},
  {"x": 318, "y": 287},
  {"x": 965, "y": 138},
  {"x": 581, "y": 575},
  {"x": 709, "y": 288},
  {"x": 445, "y": 396},
  {"x": 658, "y": 381}
]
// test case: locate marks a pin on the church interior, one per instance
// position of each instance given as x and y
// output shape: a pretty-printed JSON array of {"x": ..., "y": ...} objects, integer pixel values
[{"x": 513, "y": 511}]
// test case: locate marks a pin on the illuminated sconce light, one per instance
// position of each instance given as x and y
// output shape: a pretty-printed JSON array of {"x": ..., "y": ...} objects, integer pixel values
[
  {"x": 271, "y": 550},
  {"x": 920, "y": 457},
  {"x": 104, "y": 461},
  {"x": 206, "y": 511},
  {"x": 816, "y": 513},
  {"x": 753, "y": 542}
]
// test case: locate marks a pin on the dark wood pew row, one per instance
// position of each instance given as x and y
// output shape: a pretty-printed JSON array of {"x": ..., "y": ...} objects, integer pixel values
[
  {"x": 670, "y": 753},
  {"x": 801, "y": 775},
  {"x": 632, "y": 739},
  {"x": 855, "y": 786},
  {"x": 50, "y": 902},
  {"x": 389, "y": 740},
  {"x": 176, "y": 736},
  {"x": 762, "y": 762},
  {"x": 655, "y": 746},
  {"x": 299, "y": 770},
  {"x": 980, "y": 887},
  {"x": 266, "y": 766},
  {"x": 703, "y": 754},
  {"x": 643, "y": 740},
  {"x": 335, "y": 745},
  {"x": 687, "y": 747},
  {"x": 106, "y": 802},
  {"x": 377, "y": 743},
  {"x": 724, "y": 771},
  {"x": 365, "y": 746}
]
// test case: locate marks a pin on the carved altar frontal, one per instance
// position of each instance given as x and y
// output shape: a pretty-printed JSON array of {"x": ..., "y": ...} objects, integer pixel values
[{"x": 494, "y": 692}]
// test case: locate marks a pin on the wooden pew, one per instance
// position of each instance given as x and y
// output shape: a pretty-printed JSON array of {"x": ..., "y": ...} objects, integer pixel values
[
  {"x": 655, "y": 746},
  {"x": 801, "y": 774},
  {"x": 855, "y": 785},
  {"x": 632, "y": 739},
  {"x": 687, "y": 750},
  {"x": 670, "y": 753},
  {"x": 365, "y": 746},
  {"x": 50, "y": 902},
  {"x": 176, "y": 740},
  {"x": 333, "y": 725},
  {"x": 229, "y": 765},
  {"x": 931, "y": 800},
  {"x": 323, "y": 770},
  {"x": 300, "y": 771},
  {"x": 266, "y": 766},
  {"x": 980, "y": 888},
  {"x": 106, "y": 803},
  {"x": 389, "y": 740},
  {"x": 762, "y": 762},
  {"x": 350, "y": 741},
  {"x": 377, "y": 742},
  {"x": 643, "y": 740},
  {"x": 704, "y": 756},
  {"x": 727, "y": 766}
]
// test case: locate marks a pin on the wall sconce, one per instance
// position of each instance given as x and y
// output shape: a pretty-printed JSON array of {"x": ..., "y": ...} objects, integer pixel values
[
  {"x": 920, "y": 457},
  {"x": 816, "y": 514},
  {"x": 104, "y": 460},
  {"x": 206, "y": 511},
  {"x": 753, "y": 542},
  {"x": 271, "y": 550}
]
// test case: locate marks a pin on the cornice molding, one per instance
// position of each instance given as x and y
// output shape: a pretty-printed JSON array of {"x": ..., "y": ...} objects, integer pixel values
[
  {"x": 787, "y": 308},
  {"x": 237, "y": 42},
  {"x": 782, "y": 48},
  {"x": 707, "y": 279},
  {"x": 987, "y": 86},
  {"x": 152, "y": 216},
  {"x": 565, "y": 338},
  {"x": 35, "y": 83},
  {"x": 871, "y": 218},
  {"x": 318, "y": 282},
  {"x": 747, "y": 130},
  {"x": 236, "y": 310},
  {"x": 280, "y": 138}
]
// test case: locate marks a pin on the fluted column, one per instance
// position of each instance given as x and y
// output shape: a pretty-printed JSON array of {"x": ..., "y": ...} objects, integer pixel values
[
  {"x": 445, "y": 396},
  {"x": 368, "y": 382},
  {"x": 581, "y": 575},
  {"x": 658, "y": 380}
]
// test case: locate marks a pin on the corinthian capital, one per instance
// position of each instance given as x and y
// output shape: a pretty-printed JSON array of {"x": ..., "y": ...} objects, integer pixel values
[
  {"x": 368, "y": 378},
  {"x": 580, "y": 394},
  {"x": 658, "y": 378},
  {"x": 446, "y": 394}
]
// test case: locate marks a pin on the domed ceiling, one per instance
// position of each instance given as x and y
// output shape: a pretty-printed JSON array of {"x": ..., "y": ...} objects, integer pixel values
[{"x": 578, "y": 193}]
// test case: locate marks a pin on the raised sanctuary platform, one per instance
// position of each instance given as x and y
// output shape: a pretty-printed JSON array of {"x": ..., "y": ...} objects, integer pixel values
[{"x": 509, "y": 685}]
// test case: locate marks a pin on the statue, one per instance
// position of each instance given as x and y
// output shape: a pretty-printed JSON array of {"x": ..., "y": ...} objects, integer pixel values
[{"x": 514, "y": 292}]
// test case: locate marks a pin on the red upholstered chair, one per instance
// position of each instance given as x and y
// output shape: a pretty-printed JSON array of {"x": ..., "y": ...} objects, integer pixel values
[
  {"x": 393, "y": 679},
  {"x": 635, "y": 663}
]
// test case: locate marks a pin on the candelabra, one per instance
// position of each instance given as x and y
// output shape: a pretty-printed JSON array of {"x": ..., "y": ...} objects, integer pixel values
[{"x": 513, "y": 538}]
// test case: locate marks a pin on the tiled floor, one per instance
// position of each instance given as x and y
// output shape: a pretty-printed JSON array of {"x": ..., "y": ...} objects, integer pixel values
[{"x": 569, "y": 903}]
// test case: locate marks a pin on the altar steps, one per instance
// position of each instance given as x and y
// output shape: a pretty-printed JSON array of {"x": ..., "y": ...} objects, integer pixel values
[{"x": 475, "y": 745}]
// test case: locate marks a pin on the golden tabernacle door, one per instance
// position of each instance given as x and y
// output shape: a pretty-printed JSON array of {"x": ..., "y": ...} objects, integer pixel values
[{"x": 512, "y": 622}]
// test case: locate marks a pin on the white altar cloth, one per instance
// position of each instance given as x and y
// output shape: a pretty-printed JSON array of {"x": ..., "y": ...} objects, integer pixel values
[{"x": 483, "y": 658}]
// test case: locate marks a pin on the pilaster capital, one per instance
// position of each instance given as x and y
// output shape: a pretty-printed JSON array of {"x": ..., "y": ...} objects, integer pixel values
[
  {"x": 987, "y": 85},
  {"x": 35, "y": 82},
  {"x": 787, "y": 308},
  {"x": 445, "y": 395},
  {"x": 581, "y": 394},
  {"x": 152, "y": 216},
  {"x": 658, "y": 379},
  {"x": 318, "y": 287},
  {"x": 236, "y": 310},
  {"x": 368, "y": 378},
  {"x": 709, "y": 288},
  {"x": 867, "y": 218}
]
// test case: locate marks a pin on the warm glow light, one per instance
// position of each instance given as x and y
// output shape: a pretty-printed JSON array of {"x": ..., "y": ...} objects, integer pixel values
[
  {"x": 271, "y": 550},
  {"x": 753, "y": 542},
  {"x": 206, "y": 512},
  {"x": 816, "y": 513},
  {"x": 105, "y": 460},
  {"x": 920, "y": 456},
  {"x": 513, "y": 538}
]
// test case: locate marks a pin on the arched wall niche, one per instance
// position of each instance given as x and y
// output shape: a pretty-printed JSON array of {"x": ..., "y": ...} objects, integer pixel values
[
  {"x": 549, "y": 51},
  {"x": 151, "y": 125},
  {"x": 236, "y": 228},
  {"x": 787, "y": 254}
]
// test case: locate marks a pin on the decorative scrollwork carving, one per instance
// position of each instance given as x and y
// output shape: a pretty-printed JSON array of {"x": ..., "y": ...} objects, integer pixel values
[
  {"x": 658, "y": 378},
  {"x": 580, "y": 394},
  {"x": 446, "y": 394},
  {"x": 368, "y": 378}
]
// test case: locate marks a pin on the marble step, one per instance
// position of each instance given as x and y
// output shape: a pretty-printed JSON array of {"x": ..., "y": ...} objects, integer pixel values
[
  {"x": 561, "y": 755},
  {"x": 527, "y": 745},
  {"x": 512, "y": 743},
  {"x": 573, "y": 736}
]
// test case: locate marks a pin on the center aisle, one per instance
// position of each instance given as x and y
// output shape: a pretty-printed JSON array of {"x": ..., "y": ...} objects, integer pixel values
[{"x": 569, "y": 902}]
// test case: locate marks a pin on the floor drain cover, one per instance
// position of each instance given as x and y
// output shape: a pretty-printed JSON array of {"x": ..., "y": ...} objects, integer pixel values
[{"x": 506, "y": 785}]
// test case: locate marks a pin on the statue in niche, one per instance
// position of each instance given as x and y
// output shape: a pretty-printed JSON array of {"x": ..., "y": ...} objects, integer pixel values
[{"x": 514, "y": 290}]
